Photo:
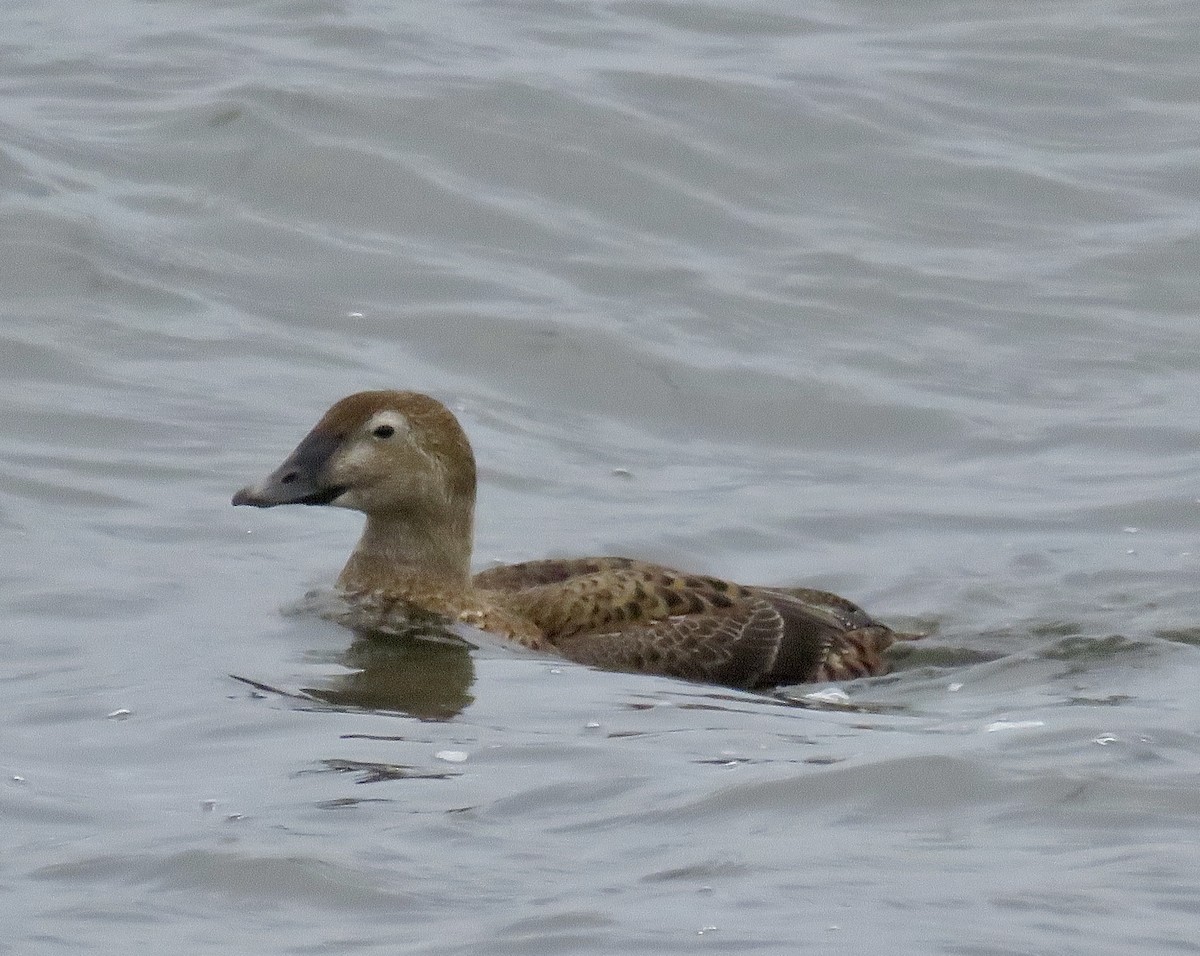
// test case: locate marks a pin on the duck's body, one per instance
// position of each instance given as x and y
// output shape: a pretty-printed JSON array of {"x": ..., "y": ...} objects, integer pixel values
[{"x": 403, "y": 460}]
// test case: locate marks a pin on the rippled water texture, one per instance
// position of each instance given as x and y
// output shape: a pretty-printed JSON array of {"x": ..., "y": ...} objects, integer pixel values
[{"x": 894, "y": 299}]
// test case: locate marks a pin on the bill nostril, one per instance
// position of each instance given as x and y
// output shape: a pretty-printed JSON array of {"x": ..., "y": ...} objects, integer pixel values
[{"x": 289, "y": 478}]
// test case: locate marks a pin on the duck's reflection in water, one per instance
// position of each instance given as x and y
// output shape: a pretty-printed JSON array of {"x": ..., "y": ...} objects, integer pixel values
[{"x": 425, "y": 673}]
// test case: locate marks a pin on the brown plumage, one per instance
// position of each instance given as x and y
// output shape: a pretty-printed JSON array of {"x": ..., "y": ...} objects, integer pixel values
[{"x": 402, "y": 459}]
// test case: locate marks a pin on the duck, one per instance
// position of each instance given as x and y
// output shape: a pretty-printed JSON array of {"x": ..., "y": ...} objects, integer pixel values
[{"x": 403, "y": 459}]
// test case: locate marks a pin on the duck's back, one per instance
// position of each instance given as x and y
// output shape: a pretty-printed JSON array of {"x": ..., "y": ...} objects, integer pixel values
[{"x": 623, "y": 614}]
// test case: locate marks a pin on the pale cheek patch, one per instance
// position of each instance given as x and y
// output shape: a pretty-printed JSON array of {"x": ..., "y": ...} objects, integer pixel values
[
  {"x": 362, "y": 457},
  {"x": 355, "y": 458}
]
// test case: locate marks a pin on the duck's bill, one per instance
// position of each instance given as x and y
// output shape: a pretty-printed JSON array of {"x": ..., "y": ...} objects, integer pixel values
[
  {"x": 269, "y": 493},
  {"x": 298, "y": 481}
]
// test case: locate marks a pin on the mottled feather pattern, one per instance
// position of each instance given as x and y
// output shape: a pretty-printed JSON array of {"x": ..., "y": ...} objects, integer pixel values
[
  {"x": 858, "y": 653},
  {"x": 526, "y": 574},
  {"x": 625, "y": 614},
  {"x": 734, "y": 647},
  {"x": 379, "y": 607},
  {"x": 402, "y": 459},
  {"x": 620, "y": 592}
]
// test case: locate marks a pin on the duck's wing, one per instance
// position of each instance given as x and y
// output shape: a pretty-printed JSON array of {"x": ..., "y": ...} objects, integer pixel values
[
  {"x": 634, "y": 616},
  {"x": 605, "y": 595},
  {"x": 846, "y": 611},
  {"x": 861, "y": 652},
  {"x": 732, "y": 646},
  {"x": 823, "y": 643},
  {"x": 850, "y": 614},
  {"x": 530, "y": 574}
]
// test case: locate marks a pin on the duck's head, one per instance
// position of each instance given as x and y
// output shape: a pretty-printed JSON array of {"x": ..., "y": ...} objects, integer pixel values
[{"x": 395, "y": 456}]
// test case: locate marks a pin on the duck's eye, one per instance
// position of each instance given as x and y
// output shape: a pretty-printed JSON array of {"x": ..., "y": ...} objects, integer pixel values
[{"x": 383, "y": 431}]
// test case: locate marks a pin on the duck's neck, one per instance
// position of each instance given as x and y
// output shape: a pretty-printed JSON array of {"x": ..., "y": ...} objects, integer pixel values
[{"x": 397, "y": 553}]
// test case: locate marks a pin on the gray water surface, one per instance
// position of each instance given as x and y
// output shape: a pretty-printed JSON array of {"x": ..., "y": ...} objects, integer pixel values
[{"x": 894, "y": 299}]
